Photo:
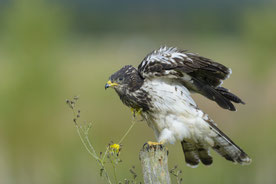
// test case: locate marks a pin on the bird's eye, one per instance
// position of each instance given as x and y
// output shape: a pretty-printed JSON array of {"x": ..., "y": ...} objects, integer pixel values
[{"x": 120, "y": 79}]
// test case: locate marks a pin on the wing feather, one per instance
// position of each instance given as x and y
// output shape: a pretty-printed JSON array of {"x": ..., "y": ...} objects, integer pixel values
[{"x": 197, "y": 73}]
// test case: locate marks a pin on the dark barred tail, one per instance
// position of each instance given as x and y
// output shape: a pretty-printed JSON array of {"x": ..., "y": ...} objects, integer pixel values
[
  {"x": 223, "y": 145},
  {"x": 194, "y": 153}
]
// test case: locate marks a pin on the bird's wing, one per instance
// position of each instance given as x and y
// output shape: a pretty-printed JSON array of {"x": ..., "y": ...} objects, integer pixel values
[{"x": 197, "y": 73}]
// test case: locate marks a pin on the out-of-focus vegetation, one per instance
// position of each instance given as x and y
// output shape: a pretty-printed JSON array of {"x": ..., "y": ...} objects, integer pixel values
[{"x": 52, "y": 50}]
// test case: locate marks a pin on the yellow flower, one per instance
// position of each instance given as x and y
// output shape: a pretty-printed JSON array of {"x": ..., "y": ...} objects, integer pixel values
[{"x": 115, "y": 147}]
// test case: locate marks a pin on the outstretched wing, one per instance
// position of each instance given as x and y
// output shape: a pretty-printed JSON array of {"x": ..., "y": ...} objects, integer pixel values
[{"x": 197, "y": 73}]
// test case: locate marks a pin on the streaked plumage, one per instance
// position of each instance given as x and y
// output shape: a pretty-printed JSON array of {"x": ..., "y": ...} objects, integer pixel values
[{"x": 161, "y": 87}]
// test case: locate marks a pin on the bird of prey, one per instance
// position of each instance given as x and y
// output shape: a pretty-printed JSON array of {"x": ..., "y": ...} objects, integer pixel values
[{"x": 160, "y": 90}]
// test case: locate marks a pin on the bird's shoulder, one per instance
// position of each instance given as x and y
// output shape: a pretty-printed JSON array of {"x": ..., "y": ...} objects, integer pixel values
[{"x": 161, "y": 62}]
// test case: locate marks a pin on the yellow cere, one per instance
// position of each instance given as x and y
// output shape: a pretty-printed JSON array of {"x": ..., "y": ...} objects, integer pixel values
[{"x": 111, "y": 83}]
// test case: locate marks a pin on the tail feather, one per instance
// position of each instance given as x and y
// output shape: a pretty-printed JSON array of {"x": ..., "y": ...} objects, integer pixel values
[
  {"x": 195, "y": 152},
  {"x": 199, "y": 151},
  {"x": 227, "y": 148},
  {"x": 204, "y": 156},
  {"x": 190, "y": 153}
]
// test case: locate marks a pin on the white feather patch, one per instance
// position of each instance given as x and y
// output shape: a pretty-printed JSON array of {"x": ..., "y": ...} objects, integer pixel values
[{"x": 174, "y": 114}]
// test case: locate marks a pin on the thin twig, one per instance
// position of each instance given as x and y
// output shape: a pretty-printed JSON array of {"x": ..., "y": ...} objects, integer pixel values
[
  {"x": 83, "y": 132},
  {"x": 114, "y": 170},
  {"x": 94, "y": 155}
]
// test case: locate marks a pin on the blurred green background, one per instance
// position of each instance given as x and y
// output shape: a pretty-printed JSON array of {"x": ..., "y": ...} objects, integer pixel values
[{"x": 53, "y": 50}]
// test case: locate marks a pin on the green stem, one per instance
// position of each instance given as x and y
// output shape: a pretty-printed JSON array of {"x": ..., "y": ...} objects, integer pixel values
[
  {"x": 85, "y": 145},
  {"x": 89, "y": 143},
  {"x": 94, "y": 155},
  {"x": 114, "y": 170},
  {"x": 133, "y": 123},
  {"x": 83, "y": 134}
]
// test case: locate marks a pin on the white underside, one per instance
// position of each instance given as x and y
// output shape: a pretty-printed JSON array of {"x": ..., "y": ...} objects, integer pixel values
[{"x": 174, "y": 115}]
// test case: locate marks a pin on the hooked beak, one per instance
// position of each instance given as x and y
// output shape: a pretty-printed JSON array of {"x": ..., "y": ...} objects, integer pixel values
[{"x": 110, "y": 84}]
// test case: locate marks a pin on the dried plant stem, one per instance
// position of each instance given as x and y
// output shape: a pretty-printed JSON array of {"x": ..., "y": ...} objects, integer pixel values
[
  {"x": 100, "y": 161},
  {"x": 90, "y": 149},
  {"x": 112, "y": 151},
  {"x": 114, "y": 171}
]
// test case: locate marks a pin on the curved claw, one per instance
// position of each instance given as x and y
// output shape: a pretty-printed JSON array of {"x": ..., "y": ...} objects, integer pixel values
[{"x": 153, "y": 145}]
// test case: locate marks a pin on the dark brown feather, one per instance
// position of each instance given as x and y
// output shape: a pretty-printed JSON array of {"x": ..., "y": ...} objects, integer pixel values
[
  {"x": 207, "y": 75},
  {"x": 190, "y": 153},
  {"x": 204, "y": 155},
  {"x": 227, "y": 148}
]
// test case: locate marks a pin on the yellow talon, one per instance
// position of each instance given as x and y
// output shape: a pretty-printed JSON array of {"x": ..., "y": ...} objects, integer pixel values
[
  {"x": 132, "y": 111},
  {"x": 150, "y": 143},
  {"x": 135, "y": 111},
  {"x": 139, "y": 111}
]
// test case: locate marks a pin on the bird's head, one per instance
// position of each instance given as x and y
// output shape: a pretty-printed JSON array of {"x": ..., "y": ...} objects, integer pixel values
[{"x": 127, "y": 78}]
